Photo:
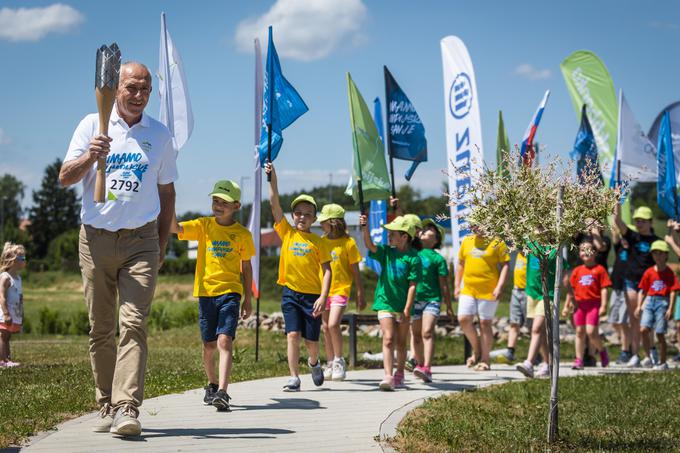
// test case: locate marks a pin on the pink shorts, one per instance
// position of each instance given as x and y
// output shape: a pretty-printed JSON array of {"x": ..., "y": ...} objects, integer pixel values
[
  {"x": 587, "y": 313},
  {"x": 10, "y": 327},
  {"x": 336, "y": 301}
]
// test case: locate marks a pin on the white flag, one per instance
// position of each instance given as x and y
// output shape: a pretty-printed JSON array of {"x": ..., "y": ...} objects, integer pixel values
[
  {"x": 254, "y": 221},
  {"x": 634, "y": 150},
  {"x": 175, "y": 111},
  {"x": 463, "y": 130}
]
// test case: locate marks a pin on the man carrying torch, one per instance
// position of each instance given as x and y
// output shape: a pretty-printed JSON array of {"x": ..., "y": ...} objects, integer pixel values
[{"x": 123, "y": 238}]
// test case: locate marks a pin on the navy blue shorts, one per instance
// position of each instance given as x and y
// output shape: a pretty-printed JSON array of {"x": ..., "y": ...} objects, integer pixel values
[
  {"x": 218, "y": 315},
  {"x": 297, "y": 311}
]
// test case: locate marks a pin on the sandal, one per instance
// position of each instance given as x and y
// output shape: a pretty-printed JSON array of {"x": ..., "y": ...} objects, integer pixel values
[
  {"x": 471, "y": 361},
  {"x": 481, "y": 366}
]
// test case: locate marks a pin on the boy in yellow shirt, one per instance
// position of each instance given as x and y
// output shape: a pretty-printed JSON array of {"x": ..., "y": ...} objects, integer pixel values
[
  {"x": 224, "y": 251},
  {"x": 480, "y": 275},
  {"x": 303, "y": 255}
]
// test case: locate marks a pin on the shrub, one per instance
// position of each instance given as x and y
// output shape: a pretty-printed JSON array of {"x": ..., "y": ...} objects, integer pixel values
[{"x": 62, "y": 253}]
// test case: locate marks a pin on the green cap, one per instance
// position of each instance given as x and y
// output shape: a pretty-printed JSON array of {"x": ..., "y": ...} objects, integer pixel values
[
  {"x": 401, "y": 223},
  {"x": 226, "y": 190},
  {"x": 414, "y": 220},
  {"x": 442, "y": 232},
  {"x": 643, "y": 212},
  {"x": 331, "y": 211},
  {"x": 660, "y": 246},
  {"x": 301, "y": 198}
]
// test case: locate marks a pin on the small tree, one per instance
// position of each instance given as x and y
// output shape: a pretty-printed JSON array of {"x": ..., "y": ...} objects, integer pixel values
[
  {"x": 538, "y": 210},
  {"x": 55, "y": 210},
  {"x": 11, "y": 194}
]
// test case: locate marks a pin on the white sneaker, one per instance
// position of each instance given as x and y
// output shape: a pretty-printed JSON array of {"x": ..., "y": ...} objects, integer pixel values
[
  {"x": 661, "y": 367},
  {"x": 338, "y": 369},
  {"x": 634, "y": 361},
  {"x": 647, "y": 363},
  {"x": 543, "y": 371},
  {"x": 526, "y": 368},
  {"x": 328, "y": 371}
]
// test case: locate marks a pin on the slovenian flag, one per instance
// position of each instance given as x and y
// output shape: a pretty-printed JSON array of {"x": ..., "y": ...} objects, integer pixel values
[{"x": 527, "y": 151}]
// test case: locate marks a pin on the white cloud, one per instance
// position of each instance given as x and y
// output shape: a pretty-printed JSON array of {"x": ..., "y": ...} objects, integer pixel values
[
  {"x": 305, "y": 29},
  {"x": 4, "y": 138},
  {"x": 33, "y": 24},
  {"x": 668, "y": 26},
  {"x": 528, "y": 71}
]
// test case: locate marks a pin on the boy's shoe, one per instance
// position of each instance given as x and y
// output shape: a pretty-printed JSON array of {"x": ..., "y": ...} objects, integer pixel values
[
  {"x": 317, "y": 373},
  {"x": 423, "y": 373},
  {"x": 647, "y": 362},
  {"x": 543, "y": 371},
  {"x": 506, "y": 357},
  {"x": 221, "y": 401},
  {"x": 328, "y": 371},
  {"x": 338, "y": 370},
  {"x": 103, "y": 422},
  {"x": 654, "y": 355},
  {"x": 661, "y": 367},
  {"x": 10, "y": 364},
  {"x": 398, "y": 381},
  {"x": 526, "y": 368},
  {"x": 676, "y": 358},
  {"x": 293, "y": 384},
  {"x": 387, "y": 384},
  {"x": 578, "y": 364},
  {"x": 634, "y": 361},
  {"x": 623, "y": 358},
  {"x": 411, "y": 364},
  {"x": 210, "y": 391},
  {"x": 125, "y": 421},
  {"x": 604, "y": 358}
]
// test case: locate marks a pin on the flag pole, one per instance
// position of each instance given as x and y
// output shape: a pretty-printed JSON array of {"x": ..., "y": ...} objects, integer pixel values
[
  {"x": 387, "y": 134},
  {"x": 269, "y": 147}
]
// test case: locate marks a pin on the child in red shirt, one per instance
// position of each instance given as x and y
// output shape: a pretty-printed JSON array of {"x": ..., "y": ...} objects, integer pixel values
[
  {"x": 658, "y": 288},
  {"x": 589, "y": 283}
]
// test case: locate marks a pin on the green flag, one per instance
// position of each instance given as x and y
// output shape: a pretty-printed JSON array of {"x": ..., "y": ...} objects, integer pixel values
[
  {"x": 589, "y": 83},
  {"x": 369, "y": 152},
  {"x": 502, "y": 147}
]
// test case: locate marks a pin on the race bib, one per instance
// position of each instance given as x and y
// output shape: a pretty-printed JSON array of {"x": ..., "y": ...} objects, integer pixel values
[{"x": 125, "y": 174}]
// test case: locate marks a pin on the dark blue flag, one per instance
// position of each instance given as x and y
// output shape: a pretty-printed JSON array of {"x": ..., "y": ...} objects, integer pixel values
[
  {"x": 585, "y": 148},
  {"x": 281, "y": 105},
  {"x": 378, "y": 212},
  {"x": 666, "y": 186},
  {"x": 405, "y": 132}
]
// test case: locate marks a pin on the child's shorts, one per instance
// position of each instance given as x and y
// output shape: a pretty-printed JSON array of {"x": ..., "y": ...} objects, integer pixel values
[
  {"x": 587, "y": 313},
  {"x": 10, "y": 327},
  {"x": 518, "y": 307},
  {"x": 386, "y": 314},
  {"x": 298, "y": 309},
  {"x": 471, "y": 306},
  {"x": 218, "y": 315},
  {"x": 654, "y": 314},
  {"x": 618, "y": 309},
  {"x": 336, "y": 301},
  {"x": 535, "y": 307},
  {"x": 432, "y": 308}
]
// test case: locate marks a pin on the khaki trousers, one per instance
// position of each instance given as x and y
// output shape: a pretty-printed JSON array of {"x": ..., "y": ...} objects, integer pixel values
[{"x": 124, "y": 264}]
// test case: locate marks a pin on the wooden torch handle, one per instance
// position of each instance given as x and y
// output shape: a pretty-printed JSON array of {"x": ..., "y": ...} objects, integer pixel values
[{"x": 105, "y": 98}]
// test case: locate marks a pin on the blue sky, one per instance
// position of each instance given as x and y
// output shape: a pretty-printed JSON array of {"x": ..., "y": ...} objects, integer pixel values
[{"x": 46, "y": 85}]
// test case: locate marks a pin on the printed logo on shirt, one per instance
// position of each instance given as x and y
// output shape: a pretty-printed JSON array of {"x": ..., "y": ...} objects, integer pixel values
[
  {"x": 658, "y": 285},
  {"x": 334, "y": 255},
  {"x": 300, "y": 248},
  {"x": 586, "y": 280},
  {"x": 146, "y": 146},
  {"x": 124, "y": 174},
  {"x": 398, "y": 269},
  {"x": 623, "y": 255},
  {"x": 219, "y": 249},
  {"x": 643, "y": 247},
  {"x": 426, "y": 262},
  {"x": 477, "y": 253}
]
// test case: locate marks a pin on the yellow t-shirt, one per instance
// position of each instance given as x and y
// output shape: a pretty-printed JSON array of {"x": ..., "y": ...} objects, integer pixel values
[
  {"x": 520, "y": 271},
  {"x": 344, "y": 253},
  {"x": 481, "y": 258},
  {"x": 220, "y": 252},
  {"x": 301, "y": 257}
]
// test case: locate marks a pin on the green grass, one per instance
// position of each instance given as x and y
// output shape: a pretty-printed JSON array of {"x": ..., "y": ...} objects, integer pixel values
[{"x": 631, "y": 412}]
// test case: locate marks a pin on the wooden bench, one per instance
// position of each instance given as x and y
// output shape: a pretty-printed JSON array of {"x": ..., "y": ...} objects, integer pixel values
[{"x": 354, "y": 320}]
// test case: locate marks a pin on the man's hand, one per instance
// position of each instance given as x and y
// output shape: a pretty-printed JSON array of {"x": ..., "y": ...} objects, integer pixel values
[
  {"x": 246, "y": 308},
  {"x": 318, "y": 307},
  {"x": 100, "y": 146}
]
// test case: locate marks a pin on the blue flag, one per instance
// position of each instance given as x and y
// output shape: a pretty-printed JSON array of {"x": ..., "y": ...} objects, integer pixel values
[
  {"x": 281, "y": 105},
  {"x": 585, "y": 148},
  {"x": 666, "y": 186},
  {"x": 405, "y": 132},
  {"x": 378, "y": 212}
]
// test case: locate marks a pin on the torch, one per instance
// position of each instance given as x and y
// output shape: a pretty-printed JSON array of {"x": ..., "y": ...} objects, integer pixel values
[{"x": 105, "y": 84}]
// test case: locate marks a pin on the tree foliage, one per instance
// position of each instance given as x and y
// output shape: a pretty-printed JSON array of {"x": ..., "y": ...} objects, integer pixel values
[{"x": 11, "y": 194}]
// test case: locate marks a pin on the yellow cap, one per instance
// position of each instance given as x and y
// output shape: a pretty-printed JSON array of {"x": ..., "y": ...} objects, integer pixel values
[
  {"x": 660, "y": 246},
  {"x": 442, "y": 232},
  {"x": 226, "y": 190},
  {"x": 414, "y": 220},
  {"x": 643, "y": 212},
  {"x": 401, "y": 224},
  {"x": 301, "y": 198},
  {"x": 331, "y": 211}
]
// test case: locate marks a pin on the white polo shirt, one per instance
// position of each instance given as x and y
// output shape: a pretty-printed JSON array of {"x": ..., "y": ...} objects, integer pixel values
[{"x": 141, "y": 157}]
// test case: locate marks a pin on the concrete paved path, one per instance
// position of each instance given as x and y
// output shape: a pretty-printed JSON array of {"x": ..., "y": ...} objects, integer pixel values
[{"x": 346, "y": 416}]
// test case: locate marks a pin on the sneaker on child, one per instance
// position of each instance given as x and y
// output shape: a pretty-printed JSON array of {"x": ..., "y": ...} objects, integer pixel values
[
  {"x": 328, "y": 371},
  {"x": 338, "y": 370},
  {"x": 604, "y": 358},
  {"x": 543, "y": 370},
  {"x": 221, "y": 401},
  {"x": 654, "y": 355},
  {"x": 210, "y": 391},
  {"x": 422, "y": 372},
  {"x": 293, "y": 384},
  {"x": 661, "y": 367},
  {"x": 647, "y": 362},
  {"x": 387, "y": 384},
  {"x": 125, "y": 421},
  {"x": 317, "y": 373},
  {"x": 526, "y": 368},
  {"x": 634, "y": 361},
  {"x": 623, "y": 358},
  {"x": 399, "y": 381},
  {"x": 411, "y": 364},
  {"x": 578, "y": 364}
]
